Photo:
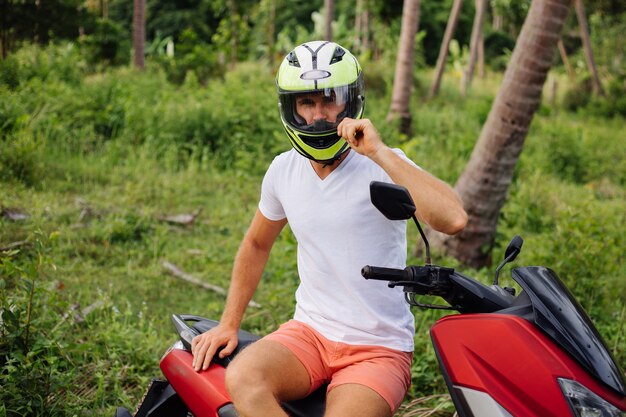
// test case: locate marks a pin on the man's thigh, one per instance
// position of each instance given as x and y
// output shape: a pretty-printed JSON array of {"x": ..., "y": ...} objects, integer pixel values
[
  {"x": 269, "y": 363},
  {"x": 356, "y": 400}
]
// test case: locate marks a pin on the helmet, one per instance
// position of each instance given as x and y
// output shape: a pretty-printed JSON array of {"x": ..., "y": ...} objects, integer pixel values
[{"x": 322, "y": 74}]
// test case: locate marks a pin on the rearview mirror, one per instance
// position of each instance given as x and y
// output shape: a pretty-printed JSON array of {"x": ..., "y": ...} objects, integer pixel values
[
  {"x": 393, "y": 201},
  {"x": 514, "y": 248},
  {"x": 511, "y": 252}
]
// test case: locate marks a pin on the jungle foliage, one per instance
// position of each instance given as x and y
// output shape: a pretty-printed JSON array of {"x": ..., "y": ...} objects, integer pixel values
[{"x": 95, "y": 157}]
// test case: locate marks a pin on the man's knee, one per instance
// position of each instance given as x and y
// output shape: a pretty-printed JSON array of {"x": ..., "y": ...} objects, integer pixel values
[{"x": 242, "y": 376}]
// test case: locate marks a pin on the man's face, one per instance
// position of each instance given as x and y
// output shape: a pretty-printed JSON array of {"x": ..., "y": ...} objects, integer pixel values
[{"x": 317, "y": 106}]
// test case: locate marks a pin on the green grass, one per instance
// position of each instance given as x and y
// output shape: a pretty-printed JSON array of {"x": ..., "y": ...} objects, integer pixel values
[{"x": 96, "y": 183}]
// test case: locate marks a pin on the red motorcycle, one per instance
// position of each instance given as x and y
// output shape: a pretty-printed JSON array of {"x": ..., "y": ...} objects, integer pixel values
[{"x": 534, "y": 354}]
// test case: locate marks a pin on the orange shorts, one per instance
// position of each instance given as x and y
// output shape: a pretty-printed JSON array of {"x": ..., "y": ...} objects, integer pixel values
[{"x": 386, "y": 371}]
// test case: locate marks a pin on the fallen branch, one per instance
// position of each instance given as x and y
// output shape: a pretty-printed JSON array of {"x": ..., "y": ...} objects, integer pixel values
[
  {"x": 13, "y": 245},
  {"x": 14, "y": 214},
  {"x": 179, "y": 273},
  {"x": 182, "y": 219},
  {"x": 77, "y": 314}
]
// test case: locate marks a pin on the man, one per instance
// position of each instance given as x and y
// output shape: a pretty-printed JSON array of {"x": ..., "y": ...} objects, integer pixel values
[{"x": 353, "y": 334}]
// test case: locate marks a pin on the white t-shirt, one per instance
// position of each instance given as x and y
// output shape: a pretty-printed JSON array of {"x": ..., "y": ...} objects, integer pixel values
[{"x": 339, "y": 230}]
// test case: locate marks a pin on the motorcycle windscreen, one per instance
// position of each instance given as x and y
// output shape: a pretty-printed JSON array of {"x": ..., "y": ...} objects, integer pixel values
[{"x": 561, "y": 317}]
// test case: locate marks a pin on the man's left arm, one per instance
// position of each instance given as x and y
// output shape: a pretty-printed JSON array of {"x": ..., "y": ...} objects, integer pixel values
[{"x": 436, "y": 202}]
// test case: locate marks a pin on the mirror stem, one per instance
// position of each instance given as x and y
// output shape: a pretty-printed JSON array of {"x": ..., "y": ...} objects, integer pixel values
[
  {"x": 426, "y": 245},
  {"x": 506, "y": 261}
]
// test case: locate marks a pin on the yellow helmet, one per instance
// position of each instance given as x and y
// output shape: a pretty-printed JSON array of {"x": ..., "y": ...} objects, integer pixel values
[{"x": 332, "y": 72}]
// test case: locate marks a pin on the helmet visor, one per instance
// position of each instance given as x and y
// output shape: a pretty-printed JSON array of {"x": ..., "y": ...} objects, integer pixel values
[{"x": 320, "y": 111}]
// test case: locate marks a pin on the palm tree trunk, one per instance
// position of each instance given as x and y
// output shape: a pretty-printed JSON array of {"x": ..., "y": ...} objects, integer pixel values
[
  {"x": 445, "y": 45},
  {"x": 329, "y": 5},
  {"x": 139, "y": 32},
  {"x": 271, "y": 34},
  {"x": 481, "y": 55},
  {"x": 496, "y": 21},
  {"x": 233, "y": 33},
  {"x": 477, "y": 29},
  {"x": 584, "y": 34},
  {"x": 358, "y": 25},
  {"x": 484, "y": 183},
  {"x": 365, "y": 40},
  {"x": 563, "y": 54},
  {"x": 403, "y": 79}
]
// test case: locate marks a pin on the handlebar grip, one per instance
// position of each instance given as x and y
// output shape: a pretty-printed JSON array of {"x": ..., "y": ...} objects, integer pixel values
[{"x": 384, "y": 274}]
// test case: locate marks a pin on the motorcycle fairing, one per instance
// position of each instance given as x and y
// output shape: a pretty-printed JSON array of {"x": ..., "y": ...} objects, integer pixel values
[
  {"x": 203, "y": 392},
  {"x": 559, "y": 315},
  {"x": 481, "y": 403},
  {"x": 193, "y": 386},
  {"x": 482, "y": 352}
]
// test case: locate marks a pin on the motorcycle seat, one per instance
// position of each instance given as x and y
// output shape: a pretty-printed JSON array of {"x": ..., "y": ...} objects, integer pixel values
[
  {"x": 245, "y": 339},
  {"x": 311, "y": 406}
]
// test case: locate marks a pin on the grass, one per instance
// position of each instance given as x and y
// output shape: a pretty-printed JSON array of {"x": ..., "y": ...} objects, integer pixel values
[{"x": 95, "y": 200}]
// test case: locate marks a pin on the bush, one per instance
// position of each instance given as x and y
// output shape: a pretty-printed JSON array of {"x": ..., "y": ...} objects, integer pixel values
[
  {"x": 579, "y": 95},
  {"x": 498, "y": 44},
  {"x": 12, "y": 115},
  {"x": 109, "y": 44},
  {"x": 613, "y": 103},
  {"x": 20, "y": 159},
  {"x": 573, "y": 231},
  {"x": 32, "y": 363},
  {"x": 580, "y": 150},
  {"x": 192, "y": 56},
  {"x": 246, "y": 119},
  {"x": 55, "y": 62},
  {"x": 9, "y": 73}
]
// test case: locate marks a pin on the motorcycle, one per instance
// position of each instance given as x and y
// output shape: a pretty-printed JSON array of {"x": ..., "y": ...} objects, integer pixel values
[{"x": 503, "y": 355}]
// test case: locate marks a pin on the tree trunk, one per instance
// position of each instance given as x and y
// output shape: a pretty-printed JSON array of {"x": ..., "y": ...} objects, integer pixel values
[
  {"x": 445, "y": 46},
  {"x": 365, "y": 39},
  {"x": 329, "y": 5},
  {"x": 477, "y": 29},
  {"x": 584, "y": 34},
  {"x": 484, "y": 183},
  {"x": 403, "y": 79},
  {"x": 271, "y": 35},
  {"x": 496, "y": 21},
  {"x": 563, "y": 54},
  {"x": 233, "y": 33},
  {"x": 481, "y": 55},
  {"x": 358, "y": 25},
  {"x": 139, "y": 32}
]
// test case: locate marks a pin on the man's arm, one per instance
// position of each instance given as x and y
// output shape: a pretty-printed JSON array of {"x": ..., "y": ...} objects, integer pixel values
[
  {"x": 247, "y": 270},
  {"x": 436, "y": 202}
]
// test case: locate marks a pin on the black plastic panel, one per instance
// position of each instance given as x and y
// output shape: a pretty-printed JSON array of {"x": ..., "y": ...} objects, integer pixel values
[{"x": 561, "y": 317}]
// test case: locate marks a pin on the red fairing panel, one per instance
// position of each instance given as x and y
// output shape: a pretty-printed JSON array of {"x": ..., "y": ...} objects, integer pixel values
[
  {"x": 203, "y": 392},
  {"x": 511, "y": 360}
]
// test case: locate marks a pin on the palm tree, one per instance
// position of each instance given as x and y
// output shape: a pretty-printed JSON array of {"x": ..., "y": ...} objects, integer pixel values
[
  {"x": 584, "y": 34},
  {"x": 139, "y": 32},
  {"x": 329, "y": 5},
  {"x": 477, "y": 34},
  {"x": 232, "y": 10},
  {"x": 484, "y": 183},
  {"x": 445, "y": 45},
  {"x": 403, "y": 79}
]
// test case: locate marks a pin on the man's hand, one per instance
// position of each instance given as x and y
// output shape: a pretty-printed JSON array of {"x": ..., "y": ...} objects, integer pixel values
[
  {"x": 361, "y": 135},
  {"x": 205, "y": 345}
]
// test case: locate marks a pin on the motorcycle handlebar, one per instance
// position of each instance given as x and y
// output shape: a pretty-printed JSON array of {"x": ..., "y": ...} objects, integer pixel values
[
  {"x": 384, "y": 274},
  {"x": 460, "y": 292}
]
